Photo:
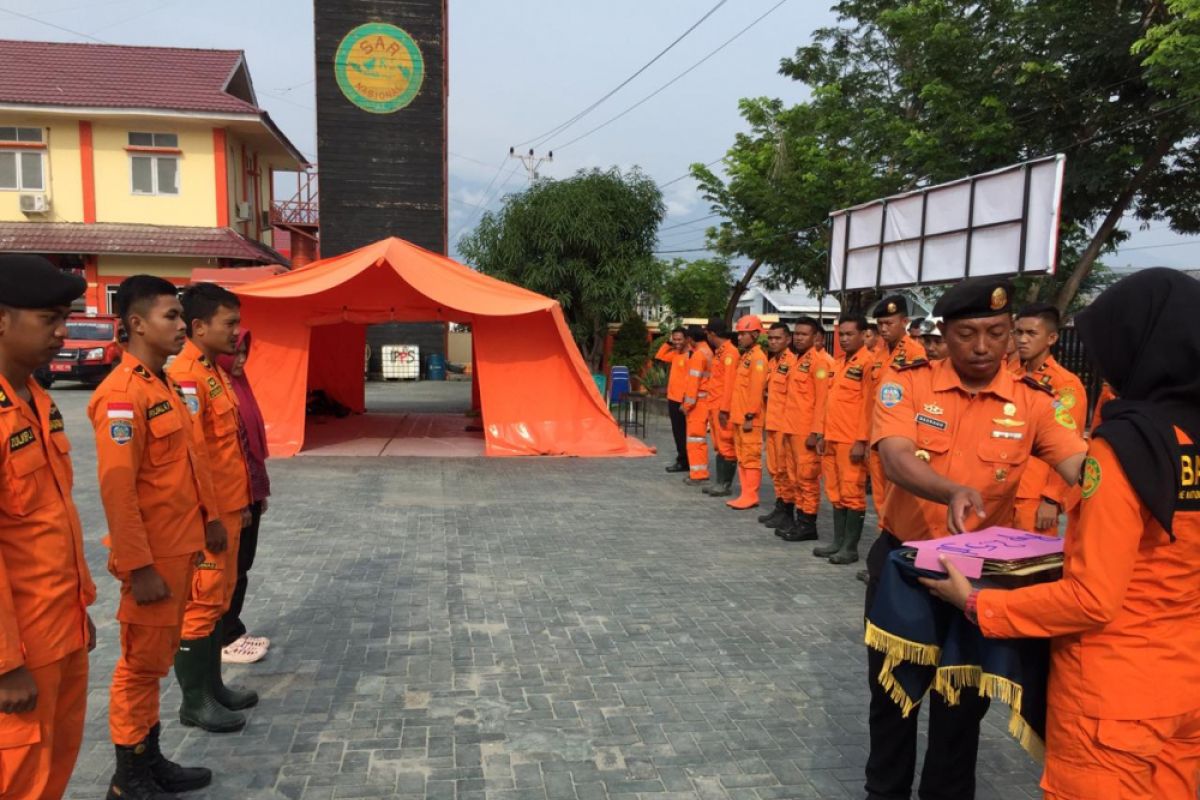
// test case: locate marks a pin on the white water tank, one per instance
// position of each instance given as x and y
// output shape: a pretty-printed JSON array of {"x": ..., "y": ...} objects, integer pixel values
[{"x": 401, "y": 362}]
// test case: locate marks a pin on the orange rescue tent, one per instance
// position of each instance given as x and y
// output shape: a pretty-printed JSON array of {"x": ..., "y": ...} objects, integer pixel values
[{"x": 309, "y": 326}]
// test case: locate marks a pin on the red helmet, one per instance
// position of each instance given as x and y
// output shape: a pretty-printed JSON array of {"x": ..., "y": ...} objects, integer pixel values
[{"x": 749, "y": 324}]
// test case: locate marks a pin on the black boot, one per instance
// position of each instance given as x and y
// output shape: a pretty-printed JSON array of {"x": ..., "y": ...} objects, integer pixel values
[
  {"x": 169, "y": 775},
  {"x": 677, "y": 467},
  {"x": 839, "y": 535},
  {"x": 133, "y": 780},
  {"x": 804, "y": 530},
  {"x": 774, "y": 516},
  {"x": 235, "y": 698},
  {"x": 200, "y": 709},
  {"x": 726, "y": 468},
  {"x": 788, "y": 526}
]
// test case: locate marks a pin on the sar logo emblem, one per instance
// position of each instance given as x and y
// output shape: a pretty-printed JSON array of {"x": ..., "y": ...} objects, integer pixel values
[
  {"x": 379, "y": 67},
  {"x": 890, "y": 394},
  {"x": 1091, "y": 477}
]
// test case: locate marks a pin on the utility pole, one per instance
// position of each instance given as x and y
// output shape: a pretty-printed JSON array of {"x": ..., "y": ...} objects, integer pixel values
[{"x": 531, "y": 161}]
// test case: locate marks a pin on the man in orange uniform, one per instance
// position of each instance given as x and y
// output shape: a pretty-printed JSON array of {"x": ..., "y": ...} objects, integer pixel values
[
  {"x": 696, "y": 404},
  {"x": 1123, "y": 716},
  {"x": 160, "y": 509},
  {"x": 745, "y": 412},
  {"x": 720, "y": 394},
  {"x": 898, "y": 348},
  {"x": 806, "y": 391},
  {"x": 45, "y": 586},
  {"x": 954, "y": 434},
  {"x": 674, "y": 352},
  {"x": 844, "y": 470},
  {"x": 780, "y": 360},
  {"x": 213, "y": 315},
  {"x": 871, "y": 337},
  {"x": 1042, "y": 495}
]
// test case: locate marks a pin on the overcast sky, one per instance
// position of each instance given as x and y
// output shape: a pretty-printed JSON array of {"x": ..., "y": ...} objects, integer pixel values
[{"x": 519, "y": 68}]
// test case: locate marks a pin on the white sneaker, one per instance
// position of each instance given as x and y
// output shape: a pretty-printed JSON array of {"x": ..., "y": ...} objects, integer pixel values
[
  {"x": 261, "y": 641},
  {"x": 242, "y": 652}
]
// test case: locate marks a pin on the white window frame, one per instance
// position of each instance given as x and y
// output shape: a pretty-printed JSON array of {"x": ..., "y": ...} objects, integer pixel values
[
  {"x": 19, "y": 151},
  {"x": 154, "y": 157}
]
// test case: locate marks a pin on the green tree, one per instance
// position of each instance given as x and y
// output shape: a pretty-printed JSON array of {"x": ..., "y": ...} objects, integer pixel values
[
  {"x": 631, "y": 345},
  {"x": 907, "y": 94},
  {"x": 697, "y": 288},
  {"x": 586, "y": 241}
]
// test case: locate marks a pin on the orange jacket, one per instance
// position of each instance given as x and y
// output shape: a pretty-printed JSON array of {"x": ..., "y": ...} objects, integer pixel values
[
  {"x": 806, "y": 392},
  {"x": 749, "y": 382},
  {"x": 841, "y": 419},
  {"x": 984, "y": 440},
  {"x": 1106, "y": 394},
  {"x": 696, "y": 390},
  {"x": 724, "y": 376},
  {"x": 779, "y": 373},
  {"x": 215, "y": 407},
  {"x": 1126, "y": 644},
  {"x": 677, "y": 378},
  {"x": 1070, "y": 404},
  {"x": 908, "y": 351},
  {"x": 153, "y": 479},
  {"x": 45, "y": 585}
]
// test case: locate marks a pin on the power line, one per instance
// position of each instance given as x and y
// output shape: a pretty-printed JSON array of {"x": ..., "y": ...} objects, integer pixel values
[
  {"x": 689, "y": 222},
  {"x": 539, "y": 139},
  {"x": 1156, "y": 246},
  {"x": 688, "y": 174},
  {"x": 674, "y": 80}
]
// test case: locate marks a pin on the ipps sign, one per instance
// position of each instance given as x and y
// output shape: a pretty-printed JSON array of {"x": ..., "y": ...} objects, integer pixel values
[{"x": 379, "y": 67}]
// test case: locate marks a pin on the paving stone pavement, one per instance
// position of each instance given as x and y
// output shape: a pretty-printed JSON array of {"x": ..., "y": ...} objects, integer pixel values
[{"x": 521, "y": 629}]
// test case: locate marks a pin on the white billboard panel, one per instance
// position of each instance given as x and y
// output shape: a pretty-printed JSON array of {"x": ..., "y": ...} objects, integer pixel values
[{"x": 999, "y": 223}]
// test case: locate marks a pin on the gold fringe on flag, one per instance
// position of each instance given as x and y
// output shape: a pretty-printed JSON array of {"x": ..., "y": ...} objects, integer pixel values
[{"x": 897, "y": 650}]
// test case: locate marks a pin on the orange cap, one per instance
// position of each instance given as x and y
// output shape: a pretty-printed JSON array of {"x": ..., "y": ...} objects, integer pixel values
[{"x": 748, "y": 324}]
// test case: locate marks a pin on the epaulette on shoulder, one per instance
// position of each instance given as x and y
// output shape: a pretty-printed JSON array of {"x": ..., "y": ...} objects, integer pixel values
[
  {"x": 1034, "y": 383},
  {"x": 914, "y": 364}
]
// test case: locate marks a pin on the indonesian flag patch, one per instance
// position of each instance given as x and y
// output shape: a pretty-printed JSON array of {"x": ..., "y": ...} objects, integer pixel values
[
  {"x": 188, "y": 390},
  {"x": 120, "y": 422}
]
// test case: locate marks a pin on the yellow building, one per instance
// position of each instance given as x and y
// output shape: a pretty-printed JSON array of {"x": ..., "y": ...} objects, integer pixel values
[{"x": 120, "y": 160}]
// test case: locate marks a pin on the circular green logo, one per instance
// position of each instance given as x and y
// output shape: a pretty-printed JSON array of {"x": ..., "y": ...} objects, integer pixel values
[{"x": 379, "y": 67}]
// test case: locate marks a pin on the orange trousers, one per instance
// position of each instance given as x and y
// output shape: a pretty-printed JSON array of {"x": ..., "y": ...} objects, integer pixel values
[
  {"x": 1025, "y": 515},
  {"x": 149, "y": 639},
  {"x": 213, "y": 583},
  {"x": 1145, "y": 759},
  {"x": 722, "y": 436},
  {"x": 777, "y": 465},
  {"x": 845, "y": 481},
  {"x": 804, "y": 469},
  {"x": 697, "y": 441},
  {"x": 749, "y": 447},
  {"x": 879, "y": 481},
  {"x": 38, "y": 748}
]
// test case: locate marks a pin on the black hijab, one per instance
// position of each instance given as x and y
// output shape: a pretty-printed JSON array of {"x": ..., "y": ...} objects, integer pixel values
[{"x": 1143, "y": 332}]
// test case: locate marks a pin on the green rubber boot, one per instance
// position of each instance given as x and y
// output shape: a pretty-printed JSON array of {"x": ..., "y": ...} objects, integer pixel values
[
  {"x": 839, "y": 535},
  {"x": 235, "y": 698},
  {"x": 848, "y": 553},
  {"x": 200, "y": 708},
  {"x": 726, "y": 468}
]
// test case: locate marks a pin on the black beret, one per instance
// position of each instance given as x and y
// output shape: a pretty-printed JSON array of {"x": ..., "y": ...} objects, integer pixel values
[
  {"x": 29, "y": 281},
  {"x": 974, "y": 298},
  {"x": 890, "y": 305}
]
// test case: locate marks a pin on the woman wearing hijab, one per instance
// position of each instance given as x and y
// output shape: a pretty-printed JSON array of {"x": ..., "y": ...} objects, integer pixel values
[
  {"x": 1124, "y": 694},
  {"x": 239, "y": 647}
]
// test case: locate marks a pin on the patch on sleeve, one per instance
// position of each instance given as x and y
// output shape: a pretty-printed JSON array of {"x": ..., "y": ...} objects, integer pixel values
[
  {"x": 890, "y": 394},
  {"x": 120, "y": 430},
  {"x": 120, "y": 410},
  {"x": 1091, "y": 477},
  {"x": 1063, "y": 417},
  {"x": 56, "y": 419},
  {"x": 187, "y": 390}
]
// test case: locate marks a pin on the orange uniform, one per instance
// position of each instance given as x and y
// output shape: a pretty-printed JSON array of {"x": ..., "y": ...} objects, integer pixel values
[
  {"x": 212, "y": 404},
  {"x": 720, "y": 395},
  {"x": 677, "y": 377},
  {"x": 1040, "y": 481},
  {"x": 1106, "y": 394},
  {"x": 748, "y": 384},
  {"x": 157, "y": 499},
  {"x": 984, "y": 440},
  {"x": 807, "y": 387},
  {"x": 45, "y": 589},
  {"x": 696, "y": 404},
  {"x": 1124, "y": 707},
  {"x": 841, "y": 426},
  {"x": 907, "y": 351},
  {"x": 779, "y": 372}
]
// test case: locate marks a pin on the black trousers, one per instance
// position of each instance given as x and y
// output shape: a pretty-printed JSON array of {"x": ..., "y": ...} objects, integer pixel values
[
  {"x": 678, "y": 430},
  {"x": 232, "y": 626},
  {"x": 949, "y": 769}
]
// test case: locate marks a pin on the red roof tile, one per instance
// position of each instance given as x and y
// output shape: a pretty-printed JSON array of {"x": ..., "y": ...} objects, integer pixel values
[
  {"x": 110, "y": 237},
  {"x": 118, "y": 76}
]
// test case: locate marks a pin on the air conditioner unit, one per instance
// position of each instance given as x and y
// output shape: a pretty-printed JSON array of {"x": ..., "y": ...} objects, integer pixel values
[
  {"x": 244, "y": 211},
  {"x": 34, "y": 204}
]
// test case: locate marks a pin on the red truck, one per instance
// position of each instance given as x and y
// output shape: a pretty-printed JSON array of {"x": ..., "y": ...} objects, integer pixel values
[{"x": 90, "y": 352}]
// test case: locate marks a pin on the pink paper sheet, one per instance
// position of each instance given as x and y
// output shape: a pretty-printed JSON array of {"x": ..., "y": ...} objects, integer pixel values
[{"x": 968, "y": 550}]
